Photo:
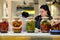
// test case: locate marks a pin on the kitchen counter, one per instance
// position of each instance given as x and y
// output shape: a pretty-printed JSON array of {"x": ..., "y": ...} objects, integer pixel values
[{"x": 28, "y": 36}]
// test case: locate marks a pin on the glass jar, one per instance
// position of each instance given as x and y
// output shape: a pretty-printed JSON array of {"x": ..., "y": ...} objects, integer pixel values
[
  {"x": 30, "y": 25},
  {"x": 55, "y": 29},
  {"x": 17, "y": 25},
  {"x": 4, "y": 25},
  {"x": 45, "y": 25},
  {"x": 55, "y": 23},
  {"x": 0, "y": 26}
]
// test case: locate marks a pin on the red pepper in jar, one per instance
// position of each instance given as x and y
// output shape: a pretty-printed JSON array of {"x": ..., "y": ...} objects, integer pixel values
[{"x": 4, "y": 27}]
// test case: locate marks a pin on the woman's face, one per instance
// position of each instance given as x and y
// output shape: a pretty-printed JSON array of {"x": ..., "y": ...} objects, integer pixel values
[{"x": 43, "y": 12}]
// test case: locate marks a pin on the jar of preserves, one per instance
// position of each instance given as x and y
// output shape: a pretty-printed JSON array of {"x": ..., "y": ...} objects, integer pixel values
[
  {"x": 17, "y": 25},
  {"x": 4, "y": 25},
  {"x": 55, "y": 29},
  {"x": 30, "y": 25},
  {"x": 45, "y": 25},
  {"x": 0, "y": 26},
  {"x": 55, "y": 24}
]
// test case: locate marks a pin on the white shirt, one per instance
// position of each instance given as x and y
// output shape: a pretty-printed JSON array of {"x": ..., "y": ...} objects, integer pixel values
[{"x": 23, "y": 24}]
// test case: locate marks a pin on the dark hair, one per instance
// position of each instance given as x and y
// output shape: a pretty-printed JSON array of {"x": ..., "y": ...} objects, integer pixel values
[
  {"x": 45, "y": 7},
  {"x": 25, "y": 14}
]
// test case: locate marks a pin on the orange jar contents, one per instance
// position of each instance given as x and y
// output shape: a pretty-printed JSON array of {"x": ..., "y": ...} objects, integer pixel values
[
  {"x": 55, "y": 24},
  {"x": 17, "y": 25},
  {"x": 45, "y": 25}
]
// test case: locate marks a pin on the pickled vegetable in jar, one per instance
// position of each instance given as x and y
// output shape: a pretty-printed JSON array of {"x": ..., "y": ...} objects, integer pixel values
[
  {"x": 4, "y": 25},
  {"x": 30, "y": 25},
  {"x": 17, "y": 25},
  {"x": 0, "y": 26},
  {"x": 56, "y": 24},
  {"x": 45, "y": 25}
]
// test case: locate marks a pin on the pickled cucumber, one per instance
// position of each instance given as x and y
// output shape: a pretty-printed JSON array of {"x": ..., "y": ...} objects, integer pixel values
[{"x": 30, "y": 26}]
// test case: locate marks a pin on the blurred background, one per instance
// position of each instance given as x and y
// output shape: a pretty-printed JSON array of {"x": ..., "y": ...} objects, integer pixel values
[{"x": 11, "y": 8}]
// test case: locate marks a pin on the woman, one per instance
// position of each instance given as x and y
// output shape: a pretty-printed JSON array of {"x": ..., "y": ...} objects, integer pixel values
[{"x": 44, "y": 12}]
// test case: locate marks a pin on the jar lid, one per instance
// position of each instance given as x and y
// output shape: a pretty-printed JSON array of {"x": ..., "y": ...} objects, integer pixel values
[
  {"x": 56, "y": 18},
  {"x": 4, "y": 17},
  {"x": 30, "y": 18},
  {"x": 45, "y": 17},
  {"x": 16, "y": 18}
]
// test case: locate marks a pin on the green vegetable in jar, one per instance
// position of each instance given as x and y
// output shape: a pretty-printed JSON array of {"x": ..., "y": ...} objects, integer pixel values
[{"x": 30, "y": 26}]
